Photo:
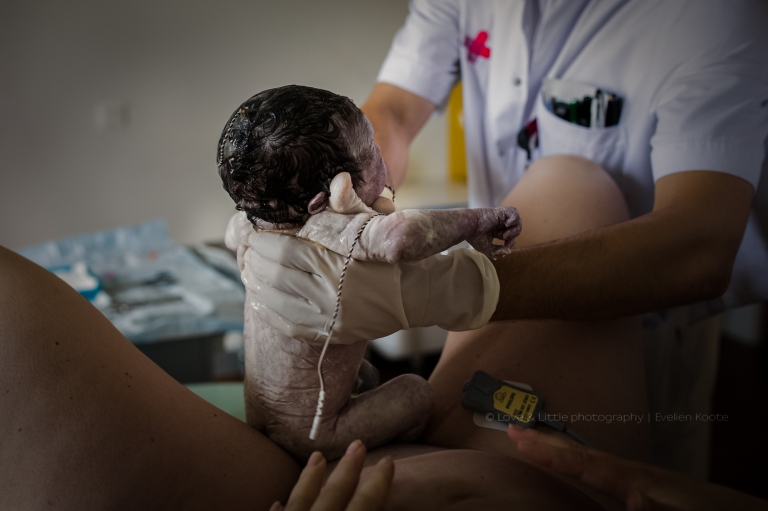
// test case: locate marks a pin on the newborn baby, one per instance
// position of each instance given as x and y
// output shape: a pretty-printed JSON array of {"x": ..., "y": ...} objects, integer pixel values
[{"x": 294, "y": 159}]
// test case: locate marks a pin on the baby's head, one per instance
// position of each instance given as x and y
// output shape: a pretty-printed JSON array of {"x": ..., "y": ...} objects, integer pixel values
[{"x": 280, "y": 150}]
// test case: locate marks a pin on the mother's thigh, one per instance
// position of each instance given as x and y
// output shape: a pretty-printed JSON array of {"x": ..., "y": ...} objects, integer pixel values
[
  {"x": 589, "y": 368},
  {"x": 88, "y": 422}
]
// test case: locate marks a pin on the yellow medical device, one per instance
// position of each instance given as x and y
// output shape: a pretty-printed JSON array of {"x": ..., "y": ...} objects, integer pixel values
[
  {"x": 457, "y": 153},
  {"x": 505, "y": 402}
]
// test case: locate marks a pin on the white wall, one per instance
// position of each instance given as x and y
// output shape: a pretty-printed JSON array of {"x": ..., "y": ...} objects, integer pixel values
[{"x": 181, "y": 67}]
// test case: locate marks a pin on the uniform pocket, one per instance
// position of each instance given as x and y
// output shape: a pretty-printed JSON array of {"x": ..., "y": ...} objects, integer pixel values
[{"x": 605, "y": 146}]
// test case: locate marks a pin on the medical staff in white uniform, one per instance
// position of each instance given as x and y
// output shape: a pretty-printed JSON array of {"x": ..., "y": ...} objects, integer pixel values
[
  {"x": 693, "y": 76},
  {"x": 693, "y": 79}
]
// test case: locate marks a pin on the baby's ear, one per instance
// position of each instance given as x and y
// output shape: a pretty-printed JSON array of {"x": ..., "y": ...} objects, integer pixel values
[{"x": 318, "y": 203}]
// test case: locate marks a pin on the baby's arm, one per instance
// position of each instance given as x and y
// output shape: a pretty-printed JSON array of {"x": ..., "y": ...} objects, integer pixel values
[
  {"x": 408, "y": 235},
  {"x": 413, "y": 234}
]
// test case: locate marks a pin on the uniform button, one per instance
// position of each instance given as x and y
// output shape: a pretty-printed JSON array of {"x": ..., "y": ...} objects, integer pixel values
[{"x": 517, "y": 81}]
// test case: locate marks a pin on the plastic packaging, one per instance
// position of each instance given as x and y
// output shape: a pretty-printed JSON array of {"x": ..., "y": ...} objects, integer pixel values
[{"x": 157, "y": 290}]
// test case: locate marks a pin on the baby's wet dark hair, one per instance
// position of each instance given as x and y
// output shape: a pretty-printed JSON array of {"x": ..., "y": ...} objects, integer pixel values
[{"x": 284, "y": 146}]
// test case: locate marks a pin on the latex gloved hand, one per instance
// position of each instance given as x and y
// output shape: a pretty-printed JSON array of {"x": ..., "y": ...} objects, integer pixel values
[
  {"x": 236, "y": 236},
  {"x": 294, "y": 283}
]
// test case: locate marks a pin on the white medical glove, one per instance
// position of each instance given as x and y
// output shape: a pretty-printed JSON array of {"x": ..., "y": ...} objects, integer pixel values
[
  {"x": 294, "y": 286},
  {"x": 236, "y": 235}
]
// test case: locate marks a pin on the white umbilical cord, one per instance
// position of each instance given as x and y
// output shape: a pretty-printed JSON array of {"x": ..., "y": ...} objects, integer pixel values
[{"x": 321, "y": 397}]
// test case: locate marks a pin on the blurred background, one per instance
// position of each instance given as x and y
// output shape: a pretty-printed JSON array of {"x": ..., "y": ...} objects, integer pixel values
[{"x": 110, "y": 112}]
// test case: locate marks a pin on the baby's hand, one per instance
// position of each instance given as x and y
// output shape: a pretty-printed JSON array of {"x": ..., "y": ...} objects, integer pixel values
[{"x": 497, "y": 229}]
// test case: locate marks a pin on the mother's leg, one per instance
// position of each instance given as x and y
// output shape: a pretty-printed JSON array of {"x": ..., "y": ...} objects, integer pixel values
[
  {"x": 578, "y": 367},
  {"x": 88, "y": 422}
]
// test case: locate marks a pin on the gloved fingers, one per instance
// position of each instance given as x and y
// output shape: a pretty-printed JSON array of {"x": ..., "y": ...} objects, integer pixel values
[
  {"x": 237, "y": 231},
  {"x": 296, "y": 286},
  {"x": 460, "y": 291},
  {"x": 289, "y": 251},
  {"x": 334, "y": 231},
  {"x": 230, "y": 234},
  {"x": 306, "y": 269},
  {"x": 254, "y": 281},
  {"x": 289, "y": 328},
  {"x": 241, "y": 257},
  {"x": 311, "y": 288},
  {"x": 236, "y": 235},
  {"x": 298, "y": 317},
  {"x": 293, "y": 320}
]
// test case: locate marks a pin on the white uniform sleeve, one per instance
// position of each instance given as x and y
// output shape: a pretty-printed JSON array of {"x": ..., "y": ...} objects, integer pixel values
[
  {"x": 712, "y": 112},
  {"x": 424, "y": 57}
]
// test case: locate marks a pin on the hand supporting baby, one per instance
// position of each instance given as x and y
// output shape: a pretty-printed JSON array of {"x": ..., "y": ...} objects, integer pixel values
[
  {"x": 409, "y": 235},
  {"x": 295, "y": 281},
  {"x": 281, "y": 379}
]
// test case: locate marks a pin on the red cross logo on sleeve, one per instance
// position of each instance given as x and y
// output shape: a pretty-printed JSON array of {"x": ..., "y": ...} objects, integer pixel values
[{"x": 477, "y": 48}]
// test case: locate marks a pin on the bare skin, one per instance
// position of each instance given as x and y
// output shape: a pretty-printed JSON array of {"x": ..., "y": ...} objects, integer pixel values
[
  {"x": 282, "y": 383},
  {"x": 51, "y": 447},
  {"x": 640, "y": 485},
  {"x": 90, "y": 423},
  {"x": 282, "y": 388},
  {"x": 92, "y": 452}
]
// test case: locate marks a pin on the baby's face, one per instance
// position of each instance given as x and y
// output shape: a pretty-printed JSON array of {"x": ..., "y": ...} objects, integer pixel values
[{"x": 374, "y": 176}]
